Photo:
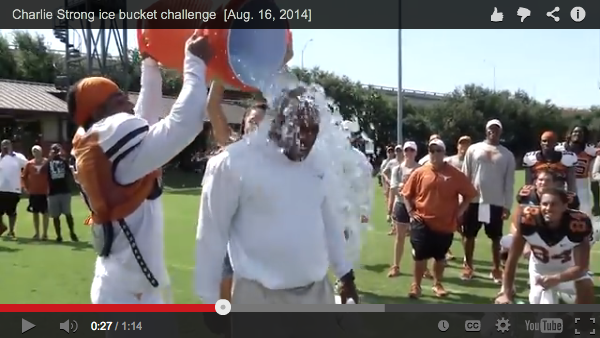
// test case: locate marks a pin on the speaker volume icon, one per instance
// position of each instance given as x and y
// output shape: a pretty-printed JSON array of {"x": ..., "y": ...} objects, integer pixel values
[{"x": 69, "y": 326}]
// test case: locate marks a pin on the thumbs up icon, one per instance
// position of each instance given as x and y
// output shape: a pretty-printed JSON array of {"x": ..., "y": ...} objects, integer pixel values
[{"x": 497, "y": 16}]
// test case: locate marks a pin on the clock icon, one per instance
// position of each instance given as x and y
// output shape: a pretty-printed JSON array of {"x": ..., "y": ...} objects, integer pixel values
[{"x": 443, "y": 325}]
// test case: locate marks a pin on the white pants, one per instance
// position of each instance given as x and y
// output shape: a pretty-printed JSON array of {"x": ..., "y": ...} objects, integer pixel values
[
  {"x": 104, "y": 293},
  {"x": 585, "y": 196},
  {"x": 563, "y": 291},
  {"x": 246, "y": 291}
]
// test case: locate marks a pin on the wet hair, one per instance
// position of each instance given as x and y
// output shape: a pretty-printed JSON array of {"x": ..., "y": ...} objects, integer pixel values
[
  {"x": 557, "y": 192},
  {"x": 255, "y": 106}
]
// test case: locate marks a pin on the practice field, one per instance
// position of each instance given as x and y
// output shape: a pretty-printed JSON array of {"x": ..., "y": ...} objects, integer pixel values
[{"x": 48, "y": 272}]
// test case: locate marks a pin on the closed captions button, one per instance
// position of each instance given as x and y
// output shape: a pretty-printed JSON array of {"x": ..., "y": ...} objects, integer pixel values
[
  {"x": 578, "y": 14},
  {"x": 472, "y": 325}
]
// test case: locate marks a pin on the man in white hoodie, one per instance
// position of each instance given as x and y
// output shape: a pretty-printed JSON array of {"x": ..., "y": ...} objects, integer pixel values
[{"x": 119, "y": 151}]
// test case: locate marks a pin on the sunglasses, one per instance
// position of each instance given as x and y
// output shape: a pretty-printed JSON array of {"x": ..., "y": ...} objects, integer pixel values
[
  {"x": 436, "y": 150},
  {"x": 408, "y": 150}
]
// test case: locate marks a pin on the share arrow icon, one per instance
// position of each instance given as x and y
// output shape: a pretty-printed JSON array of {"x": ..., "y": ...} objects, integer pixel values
[{"x": 26, "y": 326}]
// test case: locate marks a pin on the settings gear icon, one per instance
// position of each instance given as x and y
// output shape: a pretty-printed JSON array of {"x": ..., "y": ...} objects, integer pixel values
[{"x": 502, "y": 325}]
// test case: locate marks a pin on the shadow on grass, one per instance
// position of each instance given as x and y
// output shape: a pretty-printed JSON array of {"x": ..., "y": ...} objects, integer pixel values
[
  {"x": 377, "y": 268},
  {"x": 373, "y": 298},
  {"x": 475, "y": 282},
  {"x": 427, "y": 298},
  {"x": 8, "y": 250},
  {"x": 76, "y": 246}
]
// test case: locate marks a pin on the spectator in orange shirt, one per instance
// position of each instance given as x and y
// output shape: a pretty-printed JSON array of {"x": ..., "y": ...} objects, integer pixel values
[
  {"x": 432, "y": 200},
  {"x": 35, "y": 181}
]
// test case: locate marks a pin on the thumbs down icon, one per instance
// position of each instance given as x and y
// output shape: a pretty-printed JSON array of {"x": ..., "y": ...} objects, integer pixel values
[{"x": 524, "y": 13}]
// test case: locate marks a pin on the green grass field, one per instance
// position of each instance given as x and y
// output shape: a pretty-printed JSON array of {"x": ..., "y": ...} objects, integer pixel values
[{"x": 48, "y": 272}]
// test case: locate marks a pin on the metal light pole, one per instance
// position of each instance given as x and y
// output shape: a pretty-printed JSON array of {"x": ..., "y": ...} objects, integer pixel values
[
  {"x": 494, "y": 71},
  {"x": 400, "y": 116},
  {"x": 302, "y": 54}
]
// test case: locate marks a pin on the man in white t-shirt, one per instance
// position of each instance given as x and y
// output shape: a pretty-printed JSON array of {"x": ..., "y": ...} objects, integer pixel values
[{"x": 11, "y": 164}]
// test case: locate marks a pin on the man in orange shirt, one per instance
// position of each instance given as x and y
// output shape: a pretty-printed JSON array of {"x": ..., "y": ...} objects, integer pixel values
[
  {"x": 35, "y": 181},
  {"x": 432, "y": 200}
]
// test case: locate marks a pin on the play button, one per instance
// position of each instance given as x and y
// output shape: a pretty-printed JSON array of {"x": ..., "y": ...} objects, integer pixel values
[{"x": 26, "y": 326}]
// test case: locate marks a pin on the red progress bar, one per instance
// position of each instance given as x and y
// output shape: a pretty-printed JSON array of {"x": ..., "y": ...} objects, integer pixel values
[{"x": 107, "y": 308}]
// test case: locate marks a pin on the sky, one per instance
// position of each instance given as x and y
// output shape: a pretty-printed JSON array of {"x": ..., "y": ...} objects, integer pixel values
[{"x": 560, "y": 65}]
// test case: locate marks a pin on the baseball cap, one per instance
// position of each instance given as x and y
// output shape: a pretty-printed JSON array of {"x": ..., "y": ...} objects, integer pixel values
[
  {"x": 494, "y": 122},
  {"x": 464, "y": 138},
  {"x": 437, "y": 142},
  {"x": 398, "y": 147},
  {"x": 410, "y": 145},
  {"x": 36, "y": 147}
]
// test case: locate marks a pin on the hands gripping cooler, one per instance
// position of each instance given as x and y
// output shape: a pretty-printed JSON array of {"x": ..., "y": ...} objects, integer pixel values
[{"x": 245, "y": 57}]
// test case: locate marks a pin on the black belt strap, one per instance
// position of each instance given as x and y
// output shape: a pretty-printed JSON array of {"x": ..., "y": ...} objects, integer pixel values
[{"x": 137, "y": 254}]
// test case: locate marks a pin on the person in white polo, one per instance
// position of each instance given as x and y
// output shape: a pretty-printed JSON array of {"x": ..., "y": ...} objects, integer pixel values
[{"x": 11, "y": 164}]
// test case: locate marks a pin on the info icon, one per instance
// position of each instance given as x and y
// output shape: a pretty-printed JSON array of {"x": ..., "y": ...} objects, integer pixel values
[{"x": 578, "y": 14}]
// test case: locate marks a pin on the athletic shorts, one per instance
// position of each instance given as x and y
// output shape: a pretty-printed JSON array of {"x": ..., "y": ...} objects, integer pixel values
[
  {"x": 38, "y": 204},
  {"x": 471, "y": 224},
  {"x": 427, "y": 243},
  {"x": 400, "y": 213},
  {"x": 8, "y": 203},
  {"x": 59, "y": 205}
]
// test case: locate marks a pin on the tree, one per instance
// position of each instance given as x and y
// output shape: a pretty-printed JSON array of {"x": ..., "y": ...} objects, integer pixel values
[
  {"x": 8, "y": 65},
  {"x": 35, "y": 62},
  {"x": 463, "y": 112}
]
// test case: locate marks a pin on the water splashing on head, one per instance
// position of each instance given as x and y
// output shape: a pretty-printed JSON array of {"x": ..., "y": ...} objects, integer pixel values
[{"x": 307, "y": 126}]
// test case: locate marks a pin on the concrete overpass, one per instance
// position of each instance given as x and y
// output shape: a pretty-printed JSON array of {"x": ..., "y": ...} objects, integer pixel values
[{"x": 415, "y": 97}]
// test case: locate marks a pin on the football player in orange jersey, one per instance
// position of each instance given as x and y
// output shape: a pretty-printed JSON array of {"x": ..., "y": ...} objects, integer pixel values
[
  {"x": 560, "y": 251},
  {"x": 561, "y": 163},
  {"x": 577, "y": 142},
  {"x": 530, "y": 195}
]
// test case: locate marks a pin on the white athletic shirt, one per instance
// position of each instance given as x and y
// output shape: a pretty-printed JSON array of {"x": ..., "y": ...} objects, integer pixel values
[
  {"x": 10, "y": 172},
  {"x": 276, "y": 216}
]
